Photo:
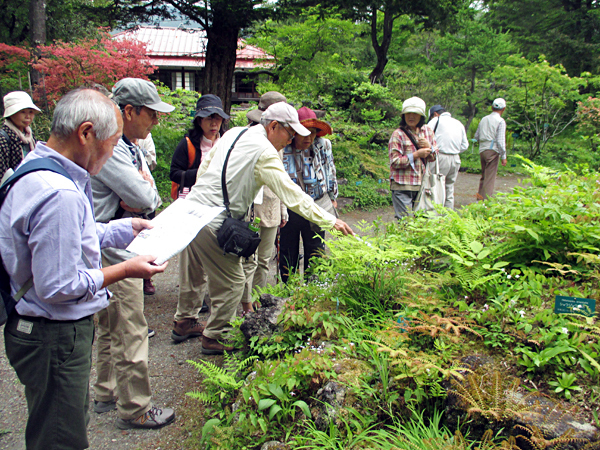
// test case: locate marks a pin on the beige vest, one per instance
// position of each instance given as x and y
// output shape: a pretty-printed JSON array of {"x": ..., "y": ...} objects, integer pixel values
[{"x": 241, "y": 184}]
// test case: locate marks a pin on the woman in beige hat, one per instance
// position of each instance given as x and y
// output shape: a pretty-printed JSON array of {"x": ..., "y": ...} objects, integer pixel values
[
  {"x": 410, "y": 148},
  {"x": 16, "y": 138}
]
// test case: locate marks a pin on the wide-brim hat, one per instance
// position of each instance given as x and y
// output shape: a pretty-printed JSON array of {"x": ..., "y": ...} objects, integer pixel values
[
  {"x": 17, "y": 101},
  {"x": 266, "y": 100},
  {"x": 208, "y": 105},
  {"x": 414, "y": 105},
  {"x": 284, "y": 113},
  {"x": 138, "y": 92},
  {"x": 308, "y": 118}
]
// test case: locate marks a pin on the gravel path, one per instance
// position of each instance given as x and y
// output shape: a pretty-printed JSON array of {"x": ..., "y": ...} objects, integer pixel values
[{"x": 170, "y": 375}]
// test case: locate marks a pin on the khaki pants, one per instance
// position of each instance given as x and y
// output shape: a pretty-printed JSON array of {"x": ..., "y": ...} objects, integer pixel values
[
  {"x": 192, "y": 284},
  {"x": 226, "y": 282},
  {"x": 122, "y": 364},
  {"x": 489, "y": 169},
  {"x": 256, "y": 268}
]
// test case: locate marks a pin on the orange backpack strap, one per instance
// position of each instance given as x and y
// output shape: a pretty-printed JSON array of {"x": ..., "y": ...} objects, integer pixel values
[{"x": 191, "y": 152}]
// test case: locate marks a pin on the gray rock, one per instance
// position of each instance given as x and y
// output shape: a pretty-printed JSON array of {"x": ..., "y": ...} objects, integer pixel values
[
  {"x": 342, "y": 181},
  {"x": 554, "y": 421},
  {"x": 383, "y": 191},
  {"x": 331, "y": 399},
  {"x": 263, "y": 322}
]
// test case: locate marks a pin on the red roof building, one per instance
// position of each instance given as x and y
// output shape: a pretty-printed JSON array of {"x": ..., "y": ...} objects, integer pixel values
[{"x": 180, "y": 54}]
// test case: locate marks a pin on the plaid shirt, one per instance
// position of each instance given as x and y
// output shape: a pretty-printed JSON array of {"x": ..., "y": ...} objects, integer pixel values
[{"x": 402, "y": 170}]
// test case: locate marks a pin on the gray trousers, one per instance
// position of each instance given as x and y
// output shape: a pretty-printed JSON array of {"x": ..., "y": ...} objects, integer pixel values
[
  {"x": 489, "y": 169},
  {"x": 402, "y": 201},
  {"x": 53, "y": 360}
]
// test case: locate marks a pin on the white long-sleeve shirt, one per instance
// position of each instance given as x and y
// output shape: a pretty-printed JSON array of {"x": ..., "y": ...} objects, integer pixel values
[{"x": 450, "y": 134}]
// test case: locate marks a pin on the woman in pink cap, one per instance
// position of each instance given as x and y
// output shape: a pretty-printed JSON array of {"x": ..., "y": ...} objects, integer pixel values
[
  {"x": 16, "y": 138},
  {"x": 309, "y": 162}
]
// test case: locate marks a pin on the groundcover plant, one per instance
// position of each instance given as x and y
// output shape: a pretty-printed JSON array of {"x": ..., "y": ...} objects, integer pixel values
[{"x": 438, "y": 332}]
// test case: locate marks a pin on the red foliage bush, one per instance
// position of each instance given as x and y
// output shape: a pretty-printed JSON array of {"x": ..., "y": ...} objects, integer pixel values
[{"x": 101, "y": 60}]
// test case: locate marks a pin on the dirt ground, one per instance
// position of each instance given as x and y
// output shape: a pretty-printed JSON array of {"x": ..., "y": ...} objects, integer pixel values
[{"x": 171, "y": 377}]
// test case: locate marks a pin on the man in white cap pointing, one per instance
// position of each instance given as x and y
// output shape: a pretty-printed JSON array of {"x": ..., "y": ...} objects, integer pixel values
[
  {"x": 253, "y": 162},
  {"x": 491, "y": 134}
]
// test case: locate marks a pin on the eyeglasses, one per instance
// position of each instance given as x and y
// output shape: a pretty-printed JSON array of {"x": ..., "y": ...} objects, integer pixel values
[{"x": 292, "y": 136}]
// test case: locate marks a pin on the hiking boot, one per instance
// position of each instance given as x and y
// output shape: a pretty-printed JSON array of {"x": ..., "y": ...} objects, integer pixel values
[
  {"x": 103, "y": 407},
  {"x": 149, "y": 288},
  {"x": 153, "y": 418},
  {"x": 151, "y": 333},
  {"x": 213, "y": 347},
  {"x": 186, "y": 328}
]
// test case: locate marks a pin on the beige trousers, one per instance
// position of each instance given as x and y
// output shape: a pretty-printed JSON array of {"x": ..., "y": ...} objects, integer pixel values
[
  {"x": 226, "y": 282},
  {"x": 122, "y": 364},
  {"x": 192, "y": 284},
  {"x": 489, "y": 169},
  {"x": 256, "y": 268}
]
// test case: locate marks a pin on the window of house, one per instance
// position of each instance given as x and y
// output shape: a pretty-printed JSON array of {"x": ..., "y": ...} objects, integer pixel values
[{"x": 178, "y": 78}]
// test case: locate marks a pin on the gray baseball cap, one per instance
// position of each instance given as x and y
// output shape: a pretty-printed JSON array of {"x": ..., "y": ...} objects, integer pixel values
[
  {"x": 138, "y": 92},
  {"x": 266, "y": 100}
]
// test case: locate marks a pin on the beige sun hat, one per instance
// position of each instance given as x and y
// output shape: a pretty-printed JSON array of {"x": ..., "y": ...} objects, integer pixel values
[
  {"x": 414, "y": 105},
  {"x": 17, "y": 101}
]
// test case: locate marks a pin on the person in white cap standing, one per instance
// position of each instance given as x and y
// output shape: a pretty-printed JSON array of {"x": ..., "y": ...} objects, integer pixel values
[
  {"x": 254, "y": 162},
  {"x": 125, "y": 188},
  {"x": 16, "y": 138},
  {"x": 491, "y": 134},
  {"x": 410, "y": 148}
]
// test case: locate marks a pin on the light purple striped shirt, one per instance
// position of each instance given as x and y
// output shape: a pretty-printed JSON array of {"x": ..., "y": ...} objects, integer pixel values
[{"x": 46, "y": 222}]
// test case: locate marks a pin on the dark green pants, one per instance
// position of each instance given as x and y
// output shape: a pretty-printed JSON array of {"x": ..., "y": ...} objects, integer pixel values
[{"x": 53, "y": 360}]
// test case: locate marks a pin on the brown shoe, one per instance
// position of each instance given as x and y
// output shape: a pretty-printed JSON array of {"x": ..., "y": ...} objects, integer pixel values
[
  {"x": 149, "y": 288},
  {"x": 213, "y": 347},
  {"x": 186, "y": 328}
]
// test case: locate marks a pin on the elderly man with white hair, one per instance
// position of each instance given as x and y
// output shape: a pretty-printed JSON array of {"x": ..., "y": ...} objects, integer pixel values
[
  {"x": 50, "y": 241},
  {"x": 253, "y": 162}
]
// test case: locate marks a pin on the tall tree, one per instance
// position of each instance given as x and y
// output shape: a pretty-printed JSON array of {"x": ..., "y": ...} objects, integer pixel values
[
  {"x": 565, "y": 31},
  {"x": 223, "y": 21},
  {"x": 37, "y": 32}
]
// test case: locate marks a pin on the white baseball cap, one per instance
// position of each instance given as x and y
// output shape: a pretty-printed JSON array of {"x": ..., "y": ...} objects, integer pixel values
[
  {"x": 499, "y": 103},
  {"x": 284, "y": 113},
  {"x": 17, "y": 101}
]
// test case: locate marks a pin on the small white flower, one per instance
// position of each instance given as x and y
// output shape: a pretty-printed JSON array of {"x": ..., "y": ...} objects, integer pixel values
[
  {"x": 522, "y": 313},
  {"x": 508, "y": 276},
  {"x": 517, "y": 276},
  {"x": 466, "y": 297},
  {"x": 564, "y": 331},
  {"x": 485, "y": 307},
  {"x": 512, "y": 302}
]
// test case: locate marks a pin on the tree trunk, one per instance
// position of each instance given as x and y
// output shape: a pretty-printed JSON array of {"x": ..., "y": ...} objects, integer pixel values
[
  {"x": 381, "y": 50},
  {"x": 220, "y": 62},
  {"x": 37, "y": 33}
]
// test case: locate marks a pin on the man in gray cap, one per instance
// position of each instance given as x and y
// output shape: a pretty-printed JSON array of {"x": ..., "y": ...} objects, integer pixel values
[
  {"x": 451, "y": 139},
  {"x": 492, "y": 147},
  {"x": 125, "y": 188},
  {"x": 266, "y": 100}
]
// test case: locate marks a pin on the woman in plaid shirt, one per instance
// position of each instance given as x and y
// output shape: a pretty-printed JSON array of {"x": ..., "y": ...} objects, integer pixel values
[{"x": 408, "y": 157}]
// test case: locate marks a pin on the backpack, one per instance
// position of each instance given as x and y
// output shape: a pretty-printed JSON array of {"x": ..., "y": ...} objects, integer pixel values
[
  {"x": 8, "y": 303},
  {"x": 176, "y": 188}
]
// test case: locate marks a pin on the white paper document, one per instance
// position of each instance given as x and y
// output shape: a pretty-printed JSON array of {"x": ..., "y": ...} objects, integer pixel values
[{"x": 174, "y": 229}]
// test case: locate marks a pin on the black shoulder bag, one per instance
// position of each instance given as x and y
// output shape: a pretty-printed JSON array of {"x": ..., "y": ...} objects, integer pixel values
[{"x": 234, "y": 236}]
